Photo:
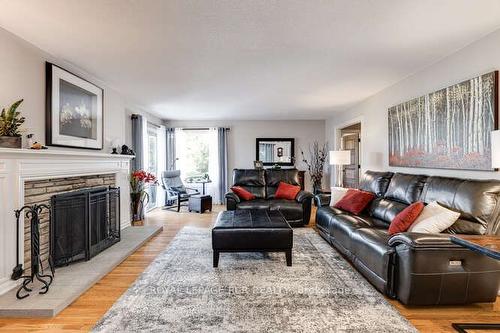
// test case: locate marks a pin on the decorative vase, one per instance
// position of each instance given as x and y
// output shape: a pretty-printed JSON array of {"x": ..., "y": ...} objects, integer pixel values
[
  {"x": 11, "y": 141},
  {"x": 136, "y": 200},
  {"x": 317, "y": 187}
]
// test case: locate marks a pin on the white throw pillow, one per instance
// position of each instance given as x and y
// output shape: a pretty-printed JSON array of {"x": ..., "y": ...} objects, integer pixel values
[
  {"x": 434, "y": 218},
  {"x": 337, "y": 194}
]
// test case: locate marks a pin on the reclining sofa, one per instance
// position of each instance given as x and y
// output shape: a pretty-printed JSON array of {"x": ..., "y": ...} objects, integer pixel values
[
  {"x": 417, "y": 268},
  {"x": 263, "y": 184}
]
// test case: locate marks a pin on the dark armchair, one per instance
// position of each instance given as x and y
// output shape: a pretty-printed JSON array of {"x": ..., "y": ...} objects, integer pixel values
[{"x": 175, "y": 191}]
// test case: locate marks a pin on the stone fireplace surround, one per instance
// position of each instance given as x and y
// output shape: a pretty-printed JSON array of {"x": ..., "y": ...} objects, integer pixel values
[
  {"x": 40, "y": 192},
  {"x": 29, "y": 176}
]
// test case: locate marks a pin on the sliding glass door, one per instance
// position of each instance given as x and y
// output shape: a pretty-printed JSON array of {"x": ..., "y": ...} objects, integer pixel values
[{"x": 152, "y": 163}]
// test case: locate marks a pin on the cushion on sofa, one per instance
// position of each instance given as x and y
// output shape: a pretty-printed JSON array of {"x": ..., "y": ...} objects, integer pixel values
[
  {"x": 434, "y": 218},
  {"x": 274, "y": 177},
  {"x": 341, "y": 228},
  {"x": 251, "y": 180},
  {"x": 385, "y": 210},
  {"x": 462, "y": 226},
  {"x": 254, "y": 204},
  {"x": 324, "y": 216},
  {"x": 291, "y": 209},
  {"x": 405, "y": 188},
  {"x": 287, "y": 191},
  {"x": 405, "y": 218},
  {"x": 355, "y": 201},
  {"x": 375, "y": 182},
  {"x": 476, "y": 200},
  {"x": 336, "y": 193},
  {"x": 242, "y": 193}
]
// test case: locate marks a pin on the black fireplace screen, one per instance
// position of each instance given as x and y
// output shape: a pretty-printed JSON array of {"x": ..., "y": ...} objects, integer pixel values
[{"x": 84, "y": 223}]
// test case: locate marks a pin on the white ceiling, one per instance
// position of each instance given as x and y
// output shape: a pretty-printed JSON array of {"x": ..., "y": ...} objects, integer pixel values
[{"x": 253, "y": 59}]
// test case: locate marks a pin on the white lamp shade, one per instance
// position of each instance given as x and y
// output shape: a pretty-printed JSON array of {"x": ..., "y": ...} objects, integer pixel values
[
  {"x": 340, "y": 157},
  {"x": 495, "y": 149}
]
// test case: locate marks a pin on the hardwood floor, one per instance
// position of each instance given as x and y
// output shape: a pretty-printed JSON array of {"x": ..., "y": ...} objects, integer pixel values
[{"x": 91, "y": 306}]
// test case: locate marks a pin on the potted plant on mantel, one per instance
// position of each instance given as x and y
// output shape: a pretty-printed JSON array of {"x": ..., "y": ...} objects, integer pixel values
[
  {"x": 316, "y": 164},
  {"x": 139, "y": 198},
  {"x": 10, "y": 122}
]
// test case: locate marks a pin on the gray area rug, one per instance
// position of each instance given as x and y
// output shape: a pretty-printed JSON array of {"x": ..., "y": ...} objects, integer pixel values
[{"x": 251, "y": 292}]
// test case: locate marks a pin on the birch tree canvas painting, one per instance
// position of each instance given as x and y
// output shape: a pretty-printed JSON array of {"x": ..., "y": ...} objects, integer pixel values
[{"x": 449, "y": 128}]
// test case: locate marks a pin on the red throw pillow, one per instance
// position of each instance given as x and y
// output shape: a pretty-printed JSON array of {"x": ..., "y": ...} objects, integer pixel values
[
  {"x": 287, "y": 191},
  {"x": 405, "y": 218},
  {"x": 354, "y": 201},
  {"x": 242, "y": 193}
]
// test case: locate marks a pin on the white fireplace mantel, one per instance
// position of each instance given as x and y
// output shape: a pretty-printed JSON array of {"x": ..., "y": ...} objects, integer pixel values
[
  {"x": 20, "y": 165},
  {"x": 12, "y": 152}
]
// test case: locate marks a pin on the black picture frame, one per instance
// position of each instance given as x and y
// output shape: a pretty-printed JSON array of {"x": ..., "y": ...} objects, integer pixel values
[
  {"x": 292, "y": 151},
  {"x": 53, "y": 137}
]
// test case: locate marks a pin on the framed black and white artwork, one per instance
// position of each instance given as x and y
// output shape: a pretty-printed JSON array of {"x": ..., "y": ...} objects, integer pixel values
[{"x": 74, "y": 110}]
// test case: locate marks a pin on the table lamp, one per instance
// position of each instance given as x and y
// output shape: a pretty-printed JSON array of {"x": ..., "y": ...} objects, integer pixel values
[{"x": 340, "y": 158}]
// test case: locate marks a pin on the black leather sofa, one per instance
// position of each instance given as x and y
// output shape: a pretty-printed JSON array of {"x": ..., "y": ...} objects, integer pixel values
[
  {"x": 263, "y": 184},
  {"x": 418, "y": 269}
]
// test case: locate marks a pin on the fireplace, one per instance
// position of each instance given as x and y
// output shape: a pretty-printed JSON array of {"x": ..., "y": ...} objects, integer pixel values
[
  {"x": 29, "y": 177},
  {"x": 83, "y": 223}
]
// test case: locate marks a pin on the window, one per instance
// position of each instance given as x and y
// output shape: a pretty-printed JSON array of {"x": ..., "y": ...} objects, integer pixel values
[
  {"x": 192, "y": 148},
  {"x": 197, "y": 158}
]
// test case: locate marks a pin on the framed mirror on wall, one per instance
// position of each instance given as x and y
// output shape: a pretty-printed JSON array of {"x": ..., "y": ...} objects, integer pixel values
[{"x": 271, "y": 151}]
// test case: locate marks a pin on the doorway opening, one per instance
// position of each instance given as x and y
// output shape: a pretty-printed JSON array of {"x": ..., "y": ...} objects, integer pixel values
[{"x": 350, "y": 139}]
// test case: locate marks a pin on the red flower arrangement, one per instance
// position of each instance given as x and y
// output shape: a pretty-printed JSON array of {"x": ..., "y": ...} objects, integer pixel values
[
  {"x": 138, "y": 196},
  {"x": 139, "y": 178}
]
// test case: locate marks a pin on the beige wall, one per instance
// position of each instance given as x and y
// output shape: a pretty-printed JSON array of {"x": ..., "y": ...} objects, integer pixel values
[{"x": 481, "y": 57}]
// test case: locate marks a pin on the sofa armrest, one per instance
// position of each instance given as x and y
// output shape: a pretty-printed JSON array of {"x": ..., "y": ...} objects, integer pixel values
[
  {"x": 232, "y": 196},
  {"x": 417, "y": 240},
  {"x": 431, "y": 270},
  {"x": 231, "y": 200},
  {"x": 303, "y": 196},
  {"x": 321, "y": 200}
]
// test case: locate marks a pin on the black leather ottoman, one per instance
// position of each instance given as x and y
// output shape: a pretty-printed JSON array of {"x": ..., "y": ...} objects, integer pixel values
[{"x": 251, "y": 231}]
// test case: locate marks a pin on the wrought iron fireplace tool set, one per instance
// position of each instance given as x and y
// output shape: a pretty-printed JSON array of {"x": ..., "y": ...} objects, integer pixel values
[{"x": 37, "y": 270}]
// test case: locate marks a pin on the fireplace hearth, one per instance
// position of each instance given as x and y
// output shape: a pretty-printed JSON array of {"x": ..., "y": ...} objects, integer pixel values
[{"x": 83, "y": 223}]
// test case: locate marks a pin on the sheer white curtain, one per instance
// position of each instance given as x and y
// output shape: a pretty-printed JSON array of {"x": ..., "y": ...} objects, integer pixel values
[
  {"x": 213, "y": 166},
  {"x": 162, "y": 163}
]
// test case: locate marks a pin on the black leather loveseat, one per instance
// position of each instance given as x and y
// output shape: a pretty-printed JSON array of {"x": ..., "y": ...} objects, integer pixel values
[
  {"x": 263, "y": 184},
  {"x": 419, "y": 269}
]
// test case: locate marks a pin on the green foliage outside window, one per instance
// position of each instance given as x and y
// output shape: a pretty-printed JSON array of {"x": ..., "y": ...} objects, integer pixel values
[{"x": 197, "y": 150}]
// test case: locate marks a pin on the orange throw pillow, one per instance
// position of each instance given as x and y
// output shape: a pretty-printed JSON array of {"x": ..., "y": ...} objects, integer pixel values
[
  {"x": 242, "y": 193},
  {"x": 355, "y": 201},
  {"x": 405, "y": 218},
  {"x": 287, "y": 191}
]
